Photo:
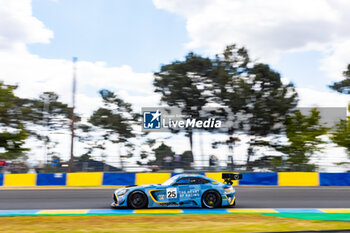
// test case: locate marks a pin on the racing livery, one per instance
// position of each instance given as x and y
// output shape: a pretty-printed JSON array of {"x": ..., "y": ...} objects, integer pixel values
[{"x": 184, "y": 190}]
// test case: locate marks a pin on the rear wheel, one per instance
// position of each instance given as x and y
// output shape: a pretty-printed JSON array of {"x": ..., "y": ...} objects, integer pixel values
[
  {"x": 137, "y": 200},
  {"x": 211, "y": 199}
]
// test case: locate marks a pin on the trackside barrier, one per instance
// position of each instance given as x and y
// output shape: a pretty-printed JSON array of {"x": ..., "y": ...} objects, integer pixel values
[
  {"x": 151, "y": 178},
  {"x": 115, "y": 178},
  {"x": 334, "y": 179},
  {"x": 51, "y": 179},
  {"x": 20, "y": 180},
  {"x": 259, "y": 178},
  {"x": 84, "y": 179},
  {"x": 298, "y": 179}
]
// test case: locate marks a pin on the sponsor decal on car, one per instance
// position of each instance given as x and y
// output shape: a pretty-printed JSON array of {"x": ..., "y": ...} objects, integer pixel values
[{"x": 171, "y": 193}]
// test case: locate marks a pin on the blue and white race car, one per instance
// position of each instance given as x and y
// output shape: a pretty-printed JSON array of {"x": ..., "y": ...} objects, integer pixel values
[{"x": 184, "y": 190}]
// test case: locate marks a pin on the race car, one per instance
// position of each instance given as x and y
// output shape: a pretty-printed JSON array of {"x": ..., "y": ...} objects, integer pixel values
[{"x": 184, "y": 190}]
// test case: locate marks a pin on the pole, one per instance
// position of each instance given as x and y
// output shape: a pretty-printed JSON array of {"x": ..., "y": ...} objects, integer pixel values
[{"x": 71, "y": 161}]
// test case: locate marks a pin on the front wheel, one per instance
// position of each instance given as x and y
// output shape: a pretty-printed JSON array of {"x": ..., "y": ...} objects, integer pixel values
[
  {"x": 211, "y": 199},
  {"x": 137, "y": 200}
]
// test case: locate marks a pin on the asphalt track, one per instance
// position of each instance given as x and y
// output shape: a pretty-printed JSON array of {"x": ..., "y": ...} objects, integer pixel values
[{"x": 247, "y": 197}]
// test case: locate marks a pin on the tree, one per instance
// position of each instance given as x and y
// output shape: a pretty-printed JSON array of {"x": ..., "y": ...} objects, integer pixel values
[
  {"x": 344, "y": 85},
  {"x": 187, "y": 159},
  {"x": 116, "y": 118},
  {"x": 253, "y": 98},
  {"x": 149, "y": 143},
  {"x": 12, "y": 132},
  {"x": 93, "y": 137},
  {"x": 230, "y": 90},
  {"x": 342, "y": 129},
  {"x": 44, "y": 117},
  {"x": 269, "y": 102},
  {"x": 182, "y": 84},
  {"x": 161, "y": 152},
  {"x": 304, "y": 139},
  {"x": 341, "y": 135}
]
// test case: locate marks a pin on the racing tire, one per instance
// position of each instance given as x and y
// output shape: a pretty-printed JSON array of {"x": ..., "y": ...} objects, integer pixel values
[
  {"x": 137, "y": 200},
  {"x": 211, "y": 199}
]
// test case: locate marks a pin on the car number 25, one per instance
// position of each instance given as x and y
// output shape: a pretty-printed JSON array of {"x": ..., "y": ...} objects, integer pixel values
[{"x": 171, "y": 193}]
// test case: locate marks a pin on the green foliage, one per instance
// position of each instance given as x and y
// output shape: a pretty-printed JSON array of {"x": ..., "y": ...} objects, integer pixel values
[
  {"x": 256, "y": 100},
  {"x": 187, "y": 156},
  {"x": 113, "y": 122},
  {"x": 47, "y": 111},
  {"x": 341, "y": 135},
  {"x": 269, "y": 101},
  {"x": 344, "y": 85},
  {"x": 186, "y": 159},
  {"x": 161, "y": 152},
  {"x": 182, "y": 84},
  {"x": 21, "y": 117},
  {"x": 12, "y": 134},
  {"x": 13, "y": 143},
  {"x": 149, "y": 143},
  {"x": 48, "y": 115},
  {"x": 228, "y": 88},
  {"x": 251, "y": 95},
  {"x": 10, "y": 110},
  {"x": 116, "y": 117},
  {"x": 303, "y": 133},
  {"x": 274, "y": 163}
]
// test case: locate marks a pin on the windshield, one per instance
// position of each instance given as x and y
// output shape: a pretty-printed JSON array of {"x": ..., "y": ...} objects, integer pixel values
[{"x": 170, "y": 181}]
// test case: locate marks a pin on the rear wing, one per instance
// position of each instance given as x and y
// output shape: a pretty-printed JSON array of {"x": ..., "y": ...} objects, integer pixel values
[{"x": 229, "y": 177}]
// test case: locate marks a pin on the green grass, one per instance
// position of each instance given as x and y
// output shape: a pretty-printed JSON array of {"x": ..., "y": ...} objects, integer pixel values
[{"x": 163, "y": 223}]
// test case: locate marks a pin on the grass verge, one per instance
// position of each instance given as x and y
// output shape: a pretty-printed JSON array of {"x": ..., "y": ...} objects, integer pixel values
[{"x": 163, "y": 223}]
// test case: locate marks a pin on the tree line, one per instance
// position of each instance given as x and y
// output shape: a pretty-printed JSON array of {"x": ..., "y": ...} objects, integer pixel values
[{"x": 248, "y": 94}]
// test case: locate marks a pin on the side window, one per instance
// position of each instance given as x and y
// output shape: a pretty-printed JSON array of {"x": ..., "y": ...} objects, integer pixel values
[
  {"x": 198, "y": 180},
  {"x": 192, "y": 180},
  {"x": 204, "y": 181},
  {"x": 201, "y": 181},
  {"x": 183, "y": 181}
]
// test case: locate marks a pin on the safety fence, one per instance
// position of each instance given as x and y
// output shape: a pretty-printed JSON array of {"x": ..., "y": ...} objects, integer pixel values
[{"x": 118, "y": 178}]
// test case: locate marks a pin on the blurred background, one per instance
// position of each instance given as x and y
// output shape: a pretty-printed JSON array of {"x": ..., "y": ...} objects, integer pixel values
[{"x": 75, "y": 74}]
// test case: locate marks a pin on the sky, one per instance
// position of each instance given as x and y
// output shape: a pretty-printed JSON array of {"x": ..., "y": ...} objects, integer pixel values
[{"x": 120, "y": 43}]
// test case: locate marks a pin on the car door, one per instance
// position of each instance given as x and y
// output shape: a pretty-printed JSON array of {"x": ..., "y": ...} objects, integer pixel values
[{"x": 188, "y": 188}]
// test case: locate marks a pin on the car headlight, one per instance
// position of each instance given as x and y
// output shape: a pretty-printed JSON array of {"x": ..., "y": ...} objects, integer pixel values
[
  {"x": 122, "y": 192},
  {"x": 229, "y": 189}
]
